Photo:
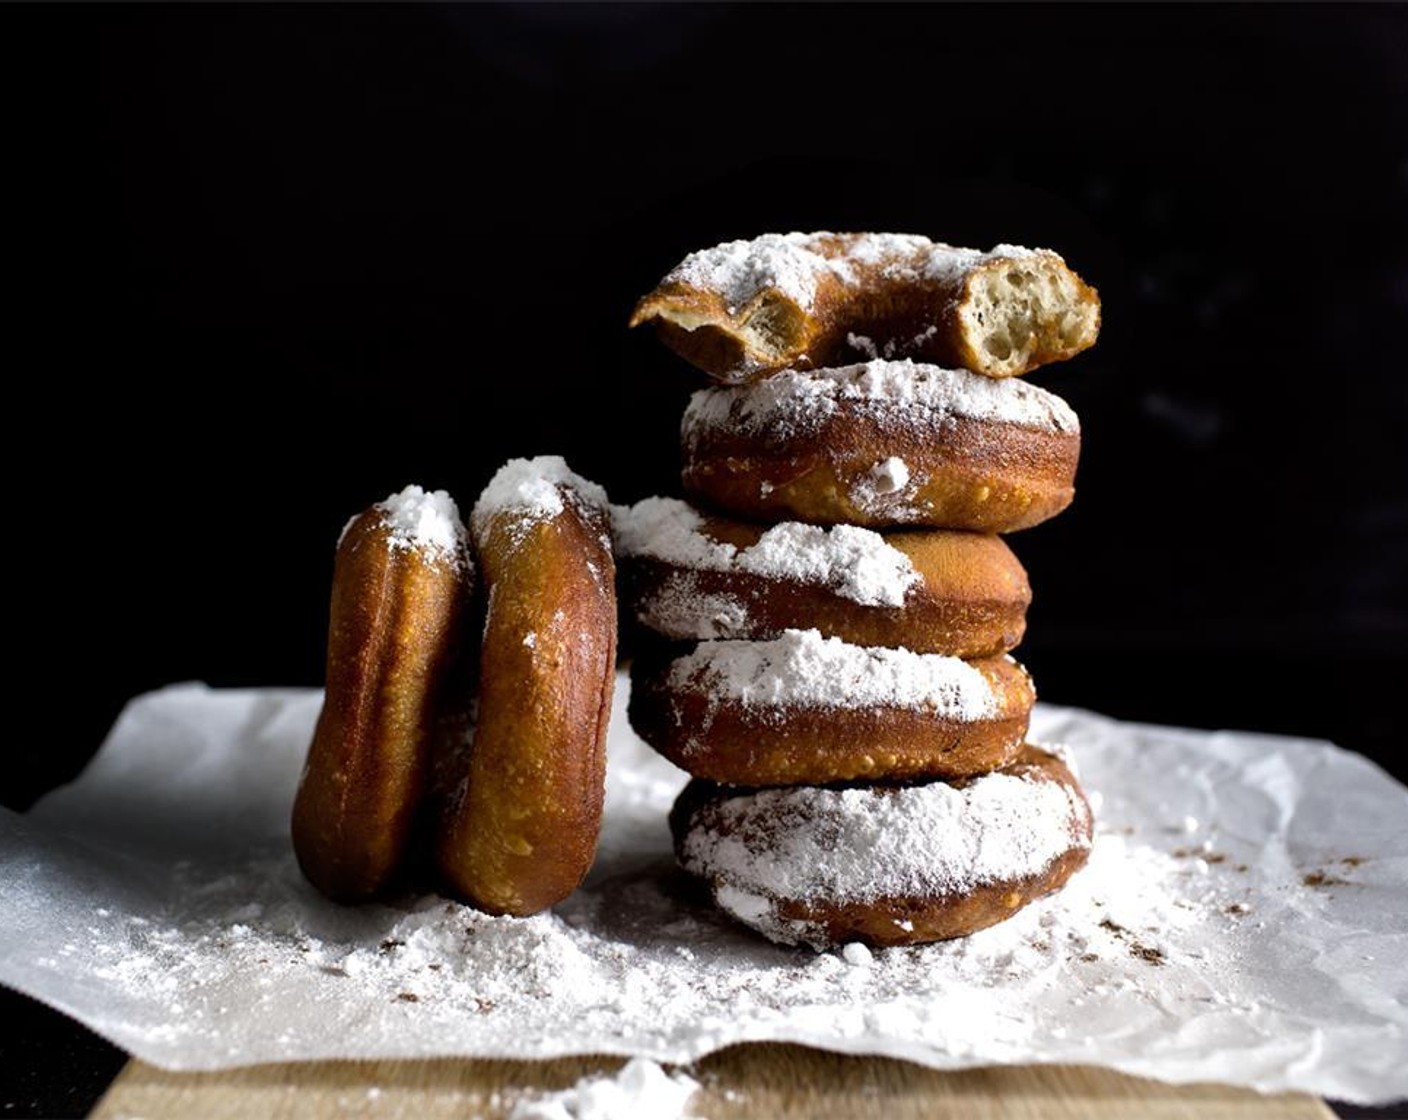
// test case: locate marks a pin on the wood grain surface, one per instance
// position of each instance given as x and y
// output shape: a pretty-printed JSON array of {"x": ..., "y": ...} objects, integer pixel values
[{"x": 749, "y": 1082}]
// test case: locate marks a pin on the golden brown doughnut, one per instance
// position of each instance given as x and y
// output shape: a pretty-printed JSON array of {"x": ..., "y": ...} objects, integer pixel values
[
  {"x": 886, "y": 865},
  {"x": 524, "y": 832},
  {"x": 745, "y": 309},
  {"x": 691, "y": 576},
  {"x": 401, "y": 583},
  {"x": 883, "y": 443},
  {"x": 806, "y": 710}
]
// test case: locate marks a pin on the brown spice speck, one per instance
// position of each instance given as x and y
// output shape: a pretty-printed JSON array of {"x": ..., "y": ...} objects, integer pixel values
[
  {"x": 1145, "y": 953},
  {"x": 1321, "y": 879},
  {"x": 1353, "y": 861},
  {"x": 407, "y": 997}
]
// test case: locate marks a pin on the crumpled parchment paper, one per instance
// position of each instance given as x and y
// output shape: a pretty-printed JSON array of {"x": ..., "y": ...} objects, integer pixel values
[{"x": 1244, "y": 919}]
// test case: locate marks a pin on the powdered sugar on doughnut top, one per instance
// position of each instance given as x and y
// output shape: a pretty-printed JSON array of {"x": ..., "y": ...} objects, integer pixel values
[
  {"x": 801, "y": 669},
  {"x": 791, "y": 263},
  {"x": 740, "y": 271},
  {"x": 855, "y": 563},
  {"x": 533, "y": 489},
  {"x": 425, "y": 521},
  {"x": 857, "y": 845},
  {"x": 902, "y": 392}
]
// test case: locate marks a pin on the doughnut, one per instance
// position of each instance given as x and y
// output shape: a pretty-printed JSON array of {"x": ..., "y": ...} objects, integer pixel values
[
  {"x": 522, "y": 831},
  {"x": 883, "y": 443},
  {"x": 886, "y": 865},
  {"x": 746, "y": 309},
  {"x": 690, "y": 576},
  {"x": 806, "y": 710},
  {"x": 401, "y": 584}
]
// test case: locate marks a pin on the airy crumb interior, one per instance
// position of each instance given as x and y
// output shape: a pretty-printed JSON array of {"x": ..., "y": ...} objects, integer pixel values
[{"x": 1022, "y": 307}]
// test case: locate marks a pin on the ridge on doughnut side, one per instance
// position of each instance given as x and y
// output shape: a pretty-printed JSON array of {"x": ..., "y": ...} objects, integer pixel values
[
  {"x": 806, "y": 710},
  {"x": 745, "y": 309},
  {"x": 521, "y": 831},
  {"x": 883, "y": 443},
  {"x": 402, "y": 581},
  {"x": 886, "y": 865}
]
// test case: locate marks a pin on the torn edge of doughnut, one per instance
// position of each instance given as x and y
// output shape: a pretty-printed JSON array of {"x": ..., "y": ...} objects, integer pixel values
[{"x": 745, "y": 309}]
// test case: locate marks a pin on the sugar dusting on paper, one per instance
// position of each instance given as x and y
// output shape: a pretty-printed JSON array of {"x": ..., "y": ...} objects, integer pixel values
[{"x": 1240, "y": 920}]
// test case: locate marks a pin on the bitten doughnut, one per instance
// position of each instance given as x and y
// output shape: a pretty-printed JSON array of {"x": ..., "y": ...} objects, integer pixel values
[
  {"x": 524, "y": 831},
  {"x": 745, "y": 309},
  {"x": 690, "y": 576},
  {"x": 883, "y": 443},
  {"x": 400, "y": 587},
  {"x": 886, "y": 865},
  {"x": 806, "y": 710}
]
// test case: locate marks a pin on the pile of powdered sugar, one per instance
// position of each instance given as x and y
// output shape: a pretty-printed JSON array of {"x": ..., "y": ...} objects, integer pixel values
[
  {"x": 904, "y": 393},
  {"x": 533, "y": 489},
  {"x": 858, "y": 845},
  {"x": 426, "y": 521},
  {"x": 641, "y": 1089},
  {"x": 1240, "y": 919},
  {"x": 854, "y": 563},
  {"x": 802, "y": 669}
]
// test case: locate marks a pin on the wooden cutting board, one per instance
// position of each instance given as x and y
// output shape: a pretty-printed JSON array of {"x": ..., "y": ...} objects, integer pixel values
[{"x": 749, "y": 1082}]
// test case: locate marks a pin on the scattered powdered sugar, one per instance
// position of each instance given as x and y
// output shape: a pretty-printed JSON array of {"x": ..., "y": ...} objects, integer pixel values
[
  {"x": 857, "y": 564},
  {"x": 533, "y": 489},
  {"x": 678, "y": 608},
  {"x": 904, "y": 393},
  {"x": 642, "y": 1089},
  {"x": 157, "y": 900},
  {"x": 858, "y": 845},
  {"x": 792, "y": 263},
  {"x": 801, "y": 669},
  {"x": 424, "y": 521}
]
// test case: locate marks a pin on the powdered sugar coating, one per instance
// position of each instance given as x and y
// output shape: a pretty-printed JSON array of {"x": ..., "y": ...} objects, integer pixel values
[
  {"x": 740, "y": 271},
  {"x": 533, "y": 489},
  {"x": 791, "y": 263},
  {"x": 905, "y": 392},
  {"x": 801, "y": 669},
  {"x": 840, "y": 846},
  {"x": 423, "y": 521},
  {"x": 855, "y": 563}
]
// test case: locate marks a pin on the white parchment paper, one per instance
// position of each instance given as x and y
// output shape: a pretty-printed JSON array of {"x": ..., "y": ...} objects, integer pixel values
[{"x": 1244, "y": 918}]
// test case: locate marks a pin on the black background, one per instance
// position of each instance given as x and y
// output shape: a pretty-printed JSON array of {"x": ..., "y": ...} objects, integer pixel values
[{"x": 269, "y": 264}]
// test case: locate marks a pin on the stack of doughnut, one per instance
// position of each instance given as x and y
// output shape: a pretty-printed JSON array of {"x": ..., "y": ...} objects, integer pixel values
[
  {"x": 479, "y": 765},
  {"x": 833, "y": 608}
]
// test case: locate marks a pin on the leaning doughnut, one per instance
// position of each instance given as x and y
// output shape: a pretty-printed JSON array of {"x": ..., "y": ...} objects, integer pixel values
[
  {"x": 691, "y": 576},
  {"x": 524, "y": 832},
  {"x": 884, "y": 443},
  {"x": 886, "y": 865},
  {"x": 806, "y": 710},
  {"x": 744, "y": 309},
  {"x": 401, "y": 582}
]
